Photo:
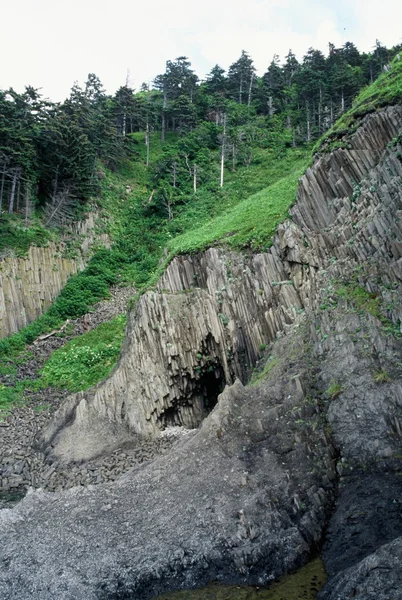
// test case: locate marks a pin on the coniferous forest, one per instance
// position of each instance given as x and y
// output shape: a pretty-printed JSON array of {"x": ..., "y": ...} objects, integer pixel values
[{"x": 50, "y": 152}]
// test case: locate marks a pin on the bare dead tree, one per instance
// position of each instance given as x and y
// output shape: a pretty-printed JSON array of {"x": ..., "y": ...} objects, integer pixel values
[{"x": 60, "y": 209}]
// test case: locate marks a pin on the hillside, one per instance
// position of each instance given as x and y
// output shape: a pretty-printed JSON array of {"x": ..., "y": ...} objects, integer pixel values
[{"x": 258, "y": 390}]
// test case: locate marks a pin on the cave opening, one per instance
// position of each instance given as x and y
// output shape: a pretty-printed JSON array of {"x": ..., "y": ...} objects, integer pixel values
[{"x": 202, "y": 396}]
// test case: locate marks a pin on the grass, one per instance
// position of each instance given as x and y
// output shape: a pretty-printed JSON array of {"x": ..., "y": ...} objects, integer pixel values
[
  {"x": 366, "y": 302},
  {"x": 250, "y": 223},
  {"x": 385, "y": 91},
  {"x": 381, "y": 376},
  {"x": 14, "y": 235},
  {"x": 80, "y": 364},
  {"x": 257, "y": 377},
  {"x": 335, "y": 389},
  {"x": 86, "y": 360},
  {"x": 10, "y": 396}
]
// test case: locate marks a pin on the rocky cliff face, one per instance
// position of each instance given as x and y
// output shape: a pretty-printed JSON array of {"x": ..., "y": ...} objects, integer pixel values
[
  {"x": 211, "y": 314},
  {"x": 247, "y": 496},
  {"x": 29, "y": 285}
]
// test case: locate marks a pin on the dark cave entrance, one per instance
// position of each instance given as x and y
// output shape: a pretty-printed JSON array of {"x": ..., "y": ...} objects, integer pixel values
[
  {"x": 212, "y": 384},
  {"x": 201, "y": 397}
]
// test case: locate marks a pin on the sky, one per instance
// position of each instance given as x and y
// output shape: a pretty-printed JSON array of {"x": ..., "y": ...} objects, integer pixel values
[{"x": 50, "y": 44}]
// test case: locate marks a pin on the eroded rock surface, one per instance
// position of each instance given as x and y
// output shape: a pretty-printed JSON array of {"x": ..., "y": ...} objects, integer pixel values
[{"x": 243, "y": 498}]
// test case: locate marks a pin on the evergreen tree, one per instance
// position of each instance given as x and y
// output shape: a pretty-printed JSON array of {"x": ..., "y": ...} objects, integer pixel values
[{"x": 241, "y": 79}]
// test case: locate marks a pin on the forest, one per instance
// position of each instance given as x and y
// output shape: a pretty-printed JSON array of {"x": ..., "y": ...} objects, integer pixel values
[{"x": 50, "y": 153}]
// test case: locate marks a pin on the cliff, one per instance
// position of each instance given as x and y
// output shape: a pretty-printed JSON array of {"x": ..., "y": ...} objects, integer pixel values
[
  {"x": 247, "y": 496},
  {"x": 210, "y": 315},
  {"x": 28, "y": 285}
]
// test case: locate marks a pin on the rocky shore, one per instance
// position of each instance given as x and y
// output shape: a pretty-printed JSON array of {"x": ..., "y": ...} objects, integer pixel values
[
  {"x": 309, "y": 449},
  {"x": 23, "y": 467}
]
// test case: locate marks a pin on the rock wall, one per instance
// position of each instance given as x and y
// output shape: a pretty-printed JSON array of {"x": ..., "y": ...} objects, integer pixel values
[
  {"x": 211, "y": 314},
  {"x": 29, "y": 285}
]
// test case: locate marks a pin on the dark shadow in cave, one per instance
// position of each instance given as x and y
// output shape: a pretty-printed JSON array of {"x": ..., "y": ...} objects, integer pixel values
[{"x": 190, "y": 410}]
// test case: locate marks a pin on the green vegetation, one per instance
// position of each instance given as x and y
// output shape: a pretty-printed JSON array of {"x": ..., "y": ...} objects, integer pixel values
[
  {"x": 14, "y": 235},
  {"x": 381, "y": 376},
  {"x": 334, "y": 390},
  {"x": 259, "y": 376},
  {"x": 81, "y": 363},
  {"x": 385, "y": 91},
  {"x": 251, "y": 223},
  {"x": 10, "y": 396},
  {"x": 86, "y": 360},
  {"x": 367, "y": 302}
]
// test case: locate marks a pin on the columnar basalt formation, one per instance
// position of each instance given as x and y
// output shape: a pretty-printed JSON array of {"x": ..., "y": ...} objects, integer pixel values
[
  {"x": 211, "y": 314},
  {"x": 28, "y": 285},
  {"x": 247, "y": 495}
]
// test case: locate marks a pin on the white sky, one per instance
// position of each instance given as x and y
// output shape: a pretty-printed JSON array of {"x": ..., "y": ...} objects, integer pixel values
[{"x": 49, "y": 44}]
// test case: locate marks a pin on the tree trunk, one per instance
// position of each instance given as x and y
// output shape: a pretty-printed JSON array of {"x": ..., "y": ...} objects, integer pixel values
[
  {"x": 233, "y": 157},
  {"x": 3, "y": 179},
  {"x": 27, "y": 205},
  {"x": 223, "y": 149},
  {"x": 342, "y": 102},
  {"x": 320, "y": 113},
  {"x": 18, "y": 195},
  {"x": 195, "y": 178},
  {"x": 147, "y": 143},
  {"x": 241, "y": 89},
  {"x": 163, "y": 132},
  {"x": 250, "y": 89},
  {"x": 13, "y": 188},
  {"x": 308, "y": 137}
]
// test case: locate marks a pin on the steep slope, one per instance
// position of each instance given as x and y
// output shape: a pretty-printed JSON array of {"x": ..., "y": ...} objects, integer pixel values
[{"x": 247, "y": 496}]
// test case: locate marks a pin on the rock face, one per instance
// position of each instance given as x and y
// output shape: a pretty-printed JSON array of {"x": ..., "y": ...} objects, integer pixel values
[
  {"x": 210, "y": 315},
  {"x": 244, "y": 497},
  {"x": 247, "y": 496},
  {"x": 29, "y": 285}
]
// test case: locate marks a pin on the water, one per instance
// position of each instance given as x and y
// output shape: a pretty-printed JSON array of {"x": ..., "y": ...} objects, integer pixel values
[{"x": 304, "y": 584}]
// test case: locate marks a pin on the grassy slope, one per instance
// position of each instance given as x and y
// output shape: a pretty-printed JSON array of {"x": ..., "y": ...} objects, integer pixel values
[{"x": 250, "y": 223}]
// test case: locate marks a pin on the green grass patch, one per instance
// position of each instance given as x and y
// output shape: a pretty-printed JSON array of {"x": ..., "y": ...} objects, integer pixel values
[
  {"x": 86, "y": 360},
  {"x": 15, "y": 236},
  {"x": 335, "y": 389},
  {"x": 260, "y": 376},
  {"x": 366, "y": 302},
  {"x": 10, "y": 395},
  {"x": 251, "y": 223}
]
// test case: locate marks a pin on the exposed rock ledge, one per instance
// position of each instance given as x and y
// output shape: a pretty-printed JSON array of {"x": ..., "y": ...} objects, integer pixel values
[{"x": 248, "y": 495}]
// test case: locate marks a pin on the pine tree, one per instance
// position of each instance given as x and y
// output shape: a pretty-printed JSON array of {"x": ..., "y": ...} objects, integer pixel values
[{"x": 241, "y": 79}]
